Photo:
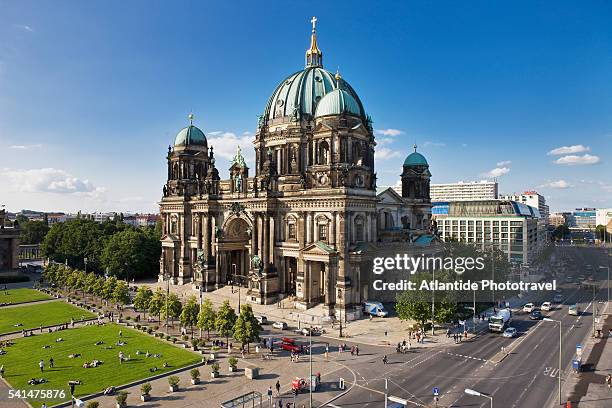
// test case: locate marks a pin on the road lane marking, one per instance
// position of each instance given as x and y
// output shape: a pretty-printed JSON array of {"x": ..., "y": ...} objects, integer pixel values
[{"x": 464, "y": 356}]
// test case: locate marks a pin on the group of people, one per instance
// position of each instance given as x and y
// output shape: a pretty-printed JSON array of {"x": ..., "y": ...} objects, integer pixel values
[
  {"x": 457, "y": 336},
  {"x": 403, "y": 347}
]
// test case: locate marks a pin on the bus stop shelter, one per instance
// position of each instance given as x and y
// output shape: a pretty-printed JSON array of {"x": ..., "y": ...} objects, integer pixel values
[{"x": 244, "y": 401}]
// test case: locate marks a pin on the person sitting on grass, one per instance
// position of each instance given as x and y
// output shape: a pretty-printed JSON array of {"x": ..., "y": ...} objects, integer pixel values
[
  {"x": 74, "y": 355},
  {"x": 109, "y": 390},
  {"x": 153, "y": 369},
  {"x": 98, "y": 343},
  {"x": 59, "y": 339}
]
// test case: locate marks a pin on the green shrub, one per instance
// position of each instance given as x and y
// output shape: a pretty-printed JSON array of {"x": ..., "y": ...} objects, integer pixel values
[
  {"x": 215, "y": 368},
  {"x": 92, "y": 404},
  {"x": 146, "y": 388},
  {"x": 232, "y": 361},
  {"x": 195, "y": 373},
  {"x": 173, "y": 380},
  {"x": 121, "y": 397}
]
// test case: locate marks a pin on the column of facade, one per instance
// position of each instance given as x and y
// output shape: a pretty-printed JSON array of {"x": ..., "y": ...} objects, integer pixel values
[
  {"x": 266, "y": 241},
  {"x": 271, "y": 229},
  {"x": 332, "y": 232},
  {"x": 308, "y": 229}
]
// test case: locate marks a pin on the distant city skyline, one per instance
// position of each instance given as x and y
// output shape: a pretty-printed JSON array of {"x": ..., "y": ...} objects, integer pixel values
[{"x": 92, "y": 94}]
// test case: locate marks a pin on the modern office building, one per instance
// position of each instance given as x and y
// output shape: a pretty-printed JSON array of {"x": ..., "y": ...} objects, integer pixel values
[
  {"x": 557, "y": 219},
  {"x": 531, "y": 198},
  {"x": 515, "y": 228},
  {"x": 584, "y": 219},
  {"x": 465, "y": 191},
  {"x": 603, "y": 216}
]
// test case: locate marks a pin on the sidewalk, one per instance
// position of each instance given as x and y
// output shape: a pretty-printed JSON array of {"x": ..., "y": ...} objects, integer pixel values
[{"x": 588, "y": 389}]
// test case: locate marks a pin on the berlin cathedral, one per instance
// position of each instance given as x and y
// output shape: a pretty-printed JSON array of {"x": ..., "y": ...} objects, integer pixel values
[{"x": 301, "y": 223}]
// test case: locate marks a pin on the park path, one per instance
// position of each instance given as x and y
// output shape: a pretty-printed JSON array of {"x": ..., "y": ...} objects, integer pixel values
[{"x": 35, "y": 302}]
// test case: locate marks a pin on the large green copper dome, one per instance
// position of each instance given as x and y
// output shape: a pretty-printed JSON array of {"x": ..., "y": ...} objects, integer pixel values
[{"x": 298, "y": 95}]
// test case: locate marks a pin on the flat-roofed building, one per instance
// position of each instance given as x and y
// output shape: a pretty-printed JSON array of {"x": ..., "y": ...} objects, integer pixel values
[
  {"x": 515, "y": 228},
  {"x": 465, "y": 191}
]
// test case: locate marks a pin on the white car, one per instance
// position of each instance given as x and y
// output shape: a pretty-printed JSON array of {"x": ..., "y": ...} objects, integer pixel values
[
  {"x": 509, "y": 332},
  {"x": 262, "y": 319},
  {"x": 529, "y": 307},
  {"x": 279, "y": 325},
  {"x": 546, "y": 306}
]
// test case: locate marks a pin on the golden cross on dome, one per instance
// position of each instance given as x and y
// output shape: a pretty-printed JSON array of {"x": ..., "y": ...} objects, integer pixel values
[{"x": 314, "y": 23}]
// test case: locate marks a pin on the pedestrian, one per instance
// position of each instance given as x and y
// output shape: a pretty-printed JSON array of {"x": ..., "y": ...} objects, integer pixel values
[
  {"x": 43, "y": 405},
  {"x": 385, "y": 333},
  {"x": 51, "y": 362},
  {"x": 120, "y": 333},
  {"x": 455, "y": 337},
  {"x": 2, "y": 371},
  {"x": 41, "y": 364},
  {"x": 609, "y": 381},
  {"x": 448, "y": 333},
  {"x": 357, "y": 350},
  {"x": 460, "y": 335},
  {"x": 278, "y": 387},
  {"x": 465, "y": 333},
  {"x": 384, "y": 360}
]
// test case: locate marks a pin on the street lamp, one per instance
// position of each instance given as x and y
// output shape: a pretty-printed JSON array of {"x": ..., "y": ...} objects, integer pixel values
[
  {"x": 475, "y": 393},
  {"x": 547, "y": 319},
  {"x": 85, "y": 261},
  {"x": 608, "y": 269},
  {"x": 433, "y": 302},
  {"x": 310, "y": 356}
]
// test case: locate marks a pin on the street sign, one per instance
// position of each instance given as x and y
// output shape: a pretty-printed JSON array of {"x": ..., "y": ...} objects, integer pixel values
[{"x": 436, "y": 391}]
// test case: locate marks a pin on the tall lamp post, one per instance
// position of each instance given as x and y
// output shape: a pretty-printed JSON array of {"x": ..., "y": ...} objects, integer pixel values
[
  {"x": 547, "y": 319},
  {"x": 85, "y": 261},
  {"x": 167, "y": 279},
  {"x": 310, "y": 356},
  {"x": 475, "y": 393},
  {"x": 433, "y": 302}
]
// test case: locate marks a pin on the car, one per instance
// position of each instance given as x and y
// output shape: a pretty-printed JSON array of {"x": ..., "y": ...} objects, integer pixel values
[
  {"x": 509, "y": 332},
  {"x": 558, "y": 298},
  {"x": 546, "y": 306},
  {"x": 536, "y": 315},
  {"x": 262, "y": 319},
  {"x": 279, "y": 325},
  {"x": 529, "y": 307},
  {"x": 574, "y": 310}
]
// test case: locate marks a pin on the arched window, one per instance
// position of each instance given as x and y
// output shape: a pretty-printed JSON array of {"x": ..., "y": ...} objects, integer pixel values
[
  {"x": 291, "y": 228},
  {"x": 323, "y": 153},
  {"x": 322, "y": 228}
]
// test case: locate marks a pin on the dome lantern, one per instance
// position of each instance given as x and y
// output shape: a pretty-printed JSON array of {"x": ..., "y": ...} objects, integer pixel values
[
  {"x": 314, "y": 56},
  {"x": 190, "y": 135}
]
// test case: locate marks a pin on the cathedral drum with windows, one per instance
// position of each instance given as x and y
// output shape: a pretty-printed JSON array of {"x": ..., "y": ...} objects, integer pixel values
[{"x": 302, "y": 225}]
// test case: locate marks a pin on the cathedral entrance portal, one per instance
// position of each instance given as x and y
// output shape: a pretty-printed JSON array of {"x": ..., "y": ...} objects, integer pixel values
[
  {"x": 290, "y": 276},
  {"x": 233, "y": 253}
]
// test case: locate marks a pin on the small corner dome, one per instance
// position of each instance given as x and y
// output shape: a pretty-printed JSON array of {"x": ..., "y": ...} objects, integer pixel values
[
  {"x": 191, "y": 135},
  {"x": 337, "y": 102},
  {"x": 415, "y": 159}
]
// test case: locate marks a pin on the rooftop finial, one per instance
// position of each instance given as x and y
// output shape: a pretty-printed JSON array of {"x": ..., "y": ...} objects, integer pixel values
[
  {"x": 338, "y": 76},
  {"x": 314, "y": 56},
  {"x": 415, "y": 147},
  {"x": 190, "y": 116}
]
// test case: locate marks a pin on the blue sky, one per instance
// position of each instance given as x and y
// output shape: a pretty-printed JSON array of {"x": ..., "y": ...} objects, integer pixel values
[{"x": 92, "y": 93}]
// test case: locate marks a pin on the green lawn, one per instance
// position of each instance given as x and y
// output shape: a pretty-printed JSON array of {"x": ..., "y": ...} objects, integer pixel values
[
  {"x": 21, "y": 361},
  {"x": 35, "y": 315},
  {"x": 22, "y": 295}
]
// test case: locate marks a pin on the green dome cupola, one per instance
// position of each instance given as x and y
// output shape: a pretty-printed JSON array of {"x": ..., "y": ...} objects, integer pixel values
[
  {"x": 190, "y": 135},
  {"x": 337, "y": 102},
  {"x": 415, "y": 159}
]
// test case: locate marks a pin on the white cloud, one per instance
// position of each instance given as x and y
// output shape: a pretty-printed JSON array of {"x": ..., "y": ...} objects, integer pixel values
[
  {"x": 496, "y": 172},
  {"x": 556, "y": 184},
  {"x": 388, "y": 132},
  {"x": 384, "y": 153},
  {"x": 504, "y": 163},
  {"x": 383, "y": 141},
  {"x": 464, "y": 145},
  {"x": 225, "y": 144},
  {"x": 573, "y": 160},
  {"x": 434, "y": 144},
  {"x": 25, "y": 147},
  {"x": 47, "y": 180},
  {"x": 569, "y": 150},
  {"x": 25, "y": 27}
]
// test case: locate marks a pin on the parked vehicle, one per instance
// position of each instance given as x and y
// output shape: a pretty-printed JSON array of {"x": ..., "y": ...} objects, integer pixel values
[
  {"x": 262, "y": 319},
  {"x": 289, "y": 344},
  {"x": 509, "y": 332},
  {"x": 499, "y": 321},
  {"x": 546, "y": 306},
  {"x": 279, "y": 325},
  {"x": 375, "y": 309}
]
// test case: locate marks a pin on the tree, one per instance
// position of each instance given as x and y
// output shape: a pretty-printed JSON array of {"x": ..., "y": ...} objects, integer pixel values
[
  {"x": 206, "y": 317},
  {"x": 225, "y": 320},
  {"x": 413, "y": 305},
  {"x": 561, "y": 232},
  {"x": 98, "y": 288},
  {"x": 445, "y": 311},
  {"x": 157, "y": 302},
  {"x": 247, "y": 328},
  {"x": 71, "y": 279},
  {"x": 121, "y": 294},
  {"x": 33, "y": 232},
  {"x": 174, "y": 307},
  {"x": 189, "y": 314},
  {"x": 132, "y": 251},
  {"x": 90, "y": 282},
  {"x": 109, "y": 288},
  {"x": 142, "y": 298}
]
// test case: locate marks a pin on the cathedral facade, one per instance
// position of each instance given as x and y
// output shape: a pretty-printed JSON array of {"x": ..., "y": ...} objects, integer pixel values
[{"x": 302, "y": 222}]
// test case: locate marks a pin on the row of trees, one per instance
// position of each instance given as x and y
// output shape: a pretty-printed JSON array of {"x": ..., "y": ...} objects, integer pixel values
[
  {"x": 111, "y": 289},
  {"x": 416, "y": 305},
  {"x": 243, "y": 327},
  {"x": 31, "y": 232},
  {"x": 112, "y": 246}
]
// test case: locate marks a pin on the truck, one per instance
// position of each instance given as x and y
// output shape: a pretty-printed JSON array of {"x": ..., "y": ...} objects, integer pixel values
[
  {"x": 375, "y": 309},
  {"x": 499, "y": 321}
]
